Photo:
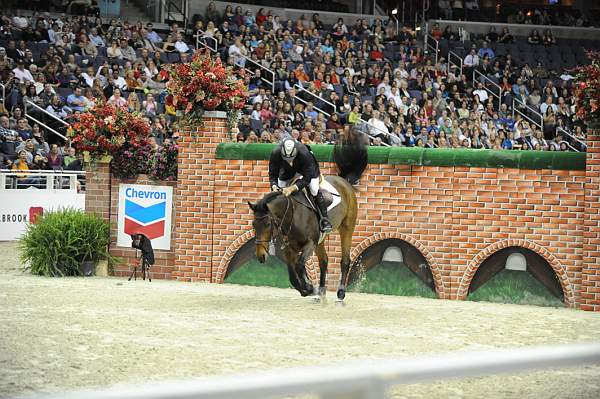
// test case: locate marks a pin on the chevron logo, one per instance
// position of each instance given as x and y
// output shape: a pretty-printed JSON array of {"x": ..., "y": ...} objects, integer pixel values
[{"x": 147, "y": 220}]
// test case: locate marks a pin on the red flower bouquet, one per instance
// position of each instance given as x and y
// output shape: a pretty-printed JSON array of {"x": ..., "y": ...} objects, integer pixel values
[
  {"x": 204, "y": 84},
  {"x": 587, "y": 89},
  {"x": 105, "y": 128}
]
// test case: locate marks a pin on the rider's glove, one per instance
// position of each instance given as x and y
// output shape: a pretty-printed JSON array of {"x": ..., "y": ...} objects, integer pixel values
[
  {"x": 287, "y": 191},
  {"x": 275, "y": 187}
]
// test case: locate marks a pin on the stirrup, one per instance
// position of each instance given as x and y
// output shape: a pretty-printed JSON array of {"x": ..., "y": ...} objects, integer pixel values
[{"x": 325, "y": 225}]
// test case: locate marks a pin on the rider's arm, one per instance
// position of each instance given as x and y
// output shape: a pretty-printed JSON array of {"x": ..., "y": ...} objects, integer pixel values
[{"x": 274, "y": 166}]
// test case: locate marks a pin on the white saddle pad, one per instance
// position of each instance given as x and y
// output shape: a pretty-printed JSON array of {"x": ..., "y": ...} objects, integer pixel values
[{"x": 337, "y": 198}]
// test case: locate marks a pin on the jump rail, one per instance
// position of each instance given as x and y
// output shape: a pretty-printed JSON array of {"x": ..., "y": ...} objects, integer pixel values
[{"x": 360, "y": 380}]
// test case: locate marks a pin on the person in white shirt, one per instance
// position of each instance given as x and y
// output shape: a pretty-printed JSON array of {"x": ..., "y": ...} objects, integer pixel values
[
  {"x": 472, "y": 59},
  {"x": 395, "y": 96},
  {"x": 237, "y": 51},
  {"x": 180, "y": 44},
  {"x": 548, "y": 104},
  {"x": 481, "y": 93},
  {"x": 21, "y": 73},
  {"x": 377, "y": 127}
]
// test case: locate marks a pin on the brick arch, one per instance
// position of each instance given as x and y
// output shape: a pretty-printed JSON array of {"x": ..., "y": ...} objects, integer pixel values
[
  {"x": 242, "y": 239},
  {"x": 567, "y": 287},
  {"x": 435, "y": 269}
]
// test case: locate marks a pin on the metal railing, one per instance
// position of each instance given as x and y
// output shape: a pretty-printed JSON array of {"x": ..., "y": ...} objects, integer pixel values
[
  {"x": 458, "y": 65},
  {"x": 478, "y": 75},
  {"x": 358, "y": 380},
  {"x": 41, "y": 179},
  {"x": 581, "y": 143},
  {"x": 516, "y": 109},
  {"x": 29, "y": 104},
  {"x": 433, "y": 44},
  {"x": 301, "y": 89},
  {"x": 201, "y": 41},
  {"x": 367, "y": 129},
  {"x": 263, "y": 68},
  {"x": 3, "y": 89}
]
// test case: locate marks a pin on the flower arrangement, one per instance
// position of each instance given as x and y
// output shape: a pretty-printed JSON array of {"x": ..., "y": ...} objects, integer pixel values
[
  {"x": 163, "y": 165},
  {"x": 203, "y": 84},
  {"x": 587, "y": 89},
  {"x": 105, "y": 128},
  {"x": 131, "y": 160}
]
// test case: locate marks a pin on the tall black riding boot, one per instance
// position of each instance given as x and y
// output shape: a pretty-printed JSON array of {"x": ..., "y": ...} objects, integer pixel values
[{"x": 324, "y": 223}]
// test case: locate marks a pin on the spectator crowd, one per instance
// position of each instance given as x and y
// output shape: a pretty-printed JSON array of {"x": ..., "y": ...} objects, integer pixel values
[{"x": 306, "y": 79}]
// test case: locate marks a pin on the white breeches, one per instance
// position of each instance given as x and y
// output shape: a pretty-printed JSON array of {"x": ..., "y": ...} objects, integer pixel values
[{"x": 313, "y": 185}]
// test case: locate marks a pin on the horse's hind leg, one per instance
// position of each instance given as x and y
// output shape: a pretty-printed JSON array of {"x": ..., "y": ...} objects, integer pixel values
[
  {"x": 323, "y": 261},
  {"x": 346, "y": 230}
]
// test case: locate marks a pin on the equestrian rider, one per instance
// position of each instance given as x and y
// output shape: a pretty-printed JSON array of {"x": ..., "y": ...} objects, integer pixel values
[{"x": 290, "y": 159}]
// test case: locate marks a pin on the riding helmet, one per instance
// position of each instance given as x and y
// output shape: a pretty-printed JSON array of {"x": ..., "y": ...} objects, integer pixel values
[{"x": 289, "y": 150}]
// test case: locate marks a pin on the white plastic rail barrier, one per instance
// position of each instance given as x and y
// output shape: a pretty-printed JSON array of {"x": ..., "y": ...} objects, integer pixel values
[
  {"x": 40, "y": 179},
  {"x": 358, "y": 380}
]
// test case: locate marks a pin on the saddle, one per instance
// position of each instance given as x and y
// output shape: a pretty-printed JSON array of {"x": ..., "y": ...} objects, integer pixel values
[{"x": 306, "y": 199}]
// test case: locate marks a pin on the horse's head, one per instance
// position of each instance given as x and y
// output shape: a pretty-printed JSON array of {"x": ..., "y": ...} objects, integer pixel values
[{"x": 263, "y": 228}]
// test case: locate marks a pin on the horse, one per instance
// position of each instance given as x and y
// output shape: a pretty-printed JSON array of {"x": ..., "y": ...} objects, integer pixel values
[{"x": 295, "y": 227}]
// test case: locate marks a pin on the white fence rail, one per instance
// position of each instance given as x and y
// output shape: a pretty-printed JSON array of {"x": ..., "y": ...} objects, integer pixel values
[
  {"x": 360, "y": 380},
  {"x": 42, "y": 180}
]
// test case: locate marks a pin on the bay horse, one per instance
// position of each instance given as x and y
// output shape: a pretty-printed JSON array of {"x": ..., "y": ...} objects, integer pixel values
[{"x": 294, "y": 227}]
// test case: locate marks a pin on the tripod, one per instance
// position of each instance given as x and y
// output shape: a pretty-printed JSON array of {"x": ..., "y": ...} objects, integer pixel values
[{"x": 145, "y": 269}]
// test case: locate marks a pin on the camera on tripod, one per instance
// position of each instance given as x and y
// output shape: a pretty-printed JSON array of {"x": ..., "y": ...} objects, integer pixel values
[{"x": 143, "y": 243}]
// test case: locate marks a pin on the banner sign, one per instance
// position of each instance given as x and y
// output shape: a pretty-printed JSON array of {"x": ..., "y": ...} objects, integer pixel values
[
  {"x": 20, "y": 207},
  {"x": 145, "y": 210}
]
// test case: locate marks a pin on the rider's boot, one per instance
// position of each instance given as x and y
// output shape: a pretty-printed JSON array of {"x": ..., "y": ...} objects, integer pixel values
[{"x": 324, "y": 223}]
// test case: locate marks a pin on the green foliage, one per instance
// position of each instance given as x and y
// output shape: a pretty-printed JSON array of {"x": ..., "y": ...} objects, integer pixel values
[
  {"x": 390, "y": 278},
  {"x": 272, "y": 273},
  {"x": 60, "y": 241},
  {"x": 511, "y": 286}
]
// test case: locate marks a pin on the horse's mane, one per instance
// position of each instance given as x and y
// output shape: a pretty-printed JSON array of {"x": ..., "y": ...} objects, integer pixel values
[{"x": 262, "y": 204}]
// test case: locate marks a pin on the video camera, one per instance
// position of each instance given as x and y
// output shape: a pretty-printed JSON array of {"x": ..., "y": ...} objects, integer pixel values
[{"x": 141, "y": 242}]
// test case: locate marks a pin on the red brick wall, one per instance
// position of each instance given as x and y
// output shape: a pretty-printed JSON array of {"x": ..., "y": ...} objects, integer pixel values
[
  {"x": 456, "y": 216},
  {"x": 102, "y": 198},
  {"x": 590, "y": 284}
]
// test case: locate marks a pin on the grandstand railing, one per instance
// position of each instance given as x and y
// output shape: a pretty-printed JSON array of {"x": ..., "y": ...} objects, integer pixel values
[
  {"x": 432, "y": 44},
  {"x": 270, "y": 72},
  {"x": 201, "y": 41},
  {"x": 360, "y": 380},
  {"x": 487, "y": 81},
  {"x": 517, "y": 105},
  {"x": 3, "y": 91},
  {"x": 565, "y": 132},
  {"x": 300, "y": 89},
  {"x": 41, "y": 179},
  {"x": 459, "y": 64},
  {"x": 367, "y": 129},
  {"x": 29, "y": 104}
]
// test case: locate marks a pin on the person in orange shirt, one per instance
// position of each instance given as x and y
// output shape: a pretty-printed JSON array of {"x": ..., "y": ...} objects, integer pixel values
[{"x": 300, "y": 74}]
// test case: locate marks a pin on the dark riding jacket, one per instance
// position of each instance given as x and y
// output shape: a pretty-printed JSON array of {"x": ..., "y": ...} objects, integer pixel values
[{"x": 305, "y": 164}]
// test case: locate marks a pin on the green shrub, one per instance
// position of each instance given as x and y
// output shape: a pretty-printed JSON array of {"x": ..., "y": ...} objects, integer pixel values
[{"x": 62, "y": 240}]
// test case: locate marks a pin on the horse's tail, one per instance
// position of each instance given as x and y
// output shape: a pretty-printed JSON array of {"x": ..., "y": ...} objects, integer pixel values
[{"x": 351, "y": 156}]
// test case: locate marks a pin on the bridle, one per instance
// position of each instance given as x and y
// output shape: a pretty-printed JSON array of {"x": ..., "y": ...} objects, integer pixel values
[{"x": 280, "y": 230}]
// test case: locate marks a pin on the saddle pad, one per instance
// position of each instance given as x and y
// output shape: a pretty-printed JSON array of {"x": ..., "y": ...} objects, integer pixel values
[{"x": 337, "y": 198}]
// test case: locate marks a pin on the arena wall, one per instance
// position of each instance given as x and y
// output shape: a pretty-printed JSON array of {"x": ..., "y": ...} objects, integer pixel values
[{"x": 456, "y": 213}]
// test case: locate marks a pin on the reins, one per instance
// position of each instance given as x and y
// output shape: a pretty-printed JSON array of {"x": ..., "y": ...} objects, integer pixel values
[{"x": 279, "y": 226}]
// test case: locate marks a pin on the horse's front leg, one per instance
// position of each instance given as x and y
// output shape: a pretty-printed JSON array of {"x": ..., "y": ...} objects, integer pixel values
[
  {"x": 307, "y": 286},
  {"x": 291, "y": 258},
  {"x": 323, "y": 262}
]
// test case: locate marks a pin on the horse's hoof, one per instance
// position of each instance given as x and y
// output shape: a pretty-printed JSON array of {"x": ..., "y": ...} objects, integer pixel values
[
  {"x": 341, "y": 294},
  {"x": 305, "y": 293},
  {"x": 340, "y": 303}
]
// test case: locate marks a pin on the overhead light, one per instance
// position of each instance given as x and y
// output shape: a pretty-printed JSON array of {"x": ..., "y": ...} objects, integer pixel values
[
  {"x": 418, "y": 28},
  {"x": 394, "y": 11}
]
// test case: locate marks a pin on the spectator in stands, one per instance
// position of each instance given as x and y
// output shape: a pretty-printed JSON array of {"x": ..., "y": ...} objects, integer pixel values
[
  {"x": 127, "y": 52},
  {"x": 548, "y": 39},
  {"x": 505, "y": 37},
  {"x": 180, "y": 44},
  {"x": 486, "y": 51},
  {"x": 534, "y": 38},
  {"x": 436, "y": 32},
  {"x": 76, "y": 101},
  {"x": 21, "y": 73},
  {"x": 212, "y": 14},
  {"x": 114, "y": 51}
]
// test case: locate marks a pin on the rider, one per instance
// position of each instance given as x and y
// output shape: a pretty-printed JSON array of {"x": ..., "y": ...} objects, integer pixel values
[{"x": 292, "y": 158}]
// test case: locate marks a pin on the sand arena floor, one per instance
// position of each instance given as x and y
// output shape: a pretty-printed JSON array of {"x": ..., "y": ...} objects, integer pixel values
[{"x": 59, "y": 334}]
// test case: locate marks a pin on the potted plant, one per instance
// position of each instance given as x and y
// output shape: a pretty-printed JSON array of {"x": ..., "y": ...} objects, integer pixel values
[
  {"x": 204, "y": 84},
  {"x": 104, "y": 129},
  {"x": 66, "y": 242}
]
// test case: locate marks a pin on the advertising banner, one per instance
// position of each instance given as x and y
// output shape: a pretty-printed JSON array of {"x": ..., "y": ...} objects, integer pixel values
[
  {"x": 19, "y": 207},
  {"x": 145, "y": 210}
]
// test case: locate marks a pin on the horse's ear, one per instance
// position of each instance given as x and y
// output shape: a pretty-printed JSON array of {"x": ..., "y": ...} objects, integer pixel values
[{"x": 252, "y": 206}]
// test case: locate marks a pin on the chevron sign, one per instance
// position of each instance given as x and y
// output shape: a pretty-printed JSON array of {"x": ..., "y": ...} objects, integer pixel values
[{"x": 145, "y": 210}]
